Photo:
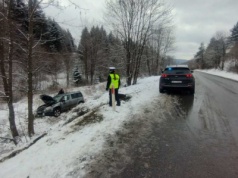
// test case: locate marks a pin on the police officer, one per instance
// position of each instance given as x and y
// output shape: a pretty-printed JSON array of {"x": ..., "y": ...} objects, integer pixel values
[{"x": 113, "y": 80}]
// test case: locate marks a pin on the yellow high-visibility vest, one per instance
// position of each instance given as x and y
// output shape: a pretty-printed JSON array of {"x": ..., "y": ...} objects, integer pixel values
[{"x": 114, "y": 81}]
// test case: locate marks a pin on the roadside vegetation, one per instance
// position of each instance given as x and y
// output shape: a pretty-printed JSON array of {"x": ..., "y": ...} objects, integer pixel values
[
  {"x": 222, "y": 49},
  {"x": 35, "y": 51}
]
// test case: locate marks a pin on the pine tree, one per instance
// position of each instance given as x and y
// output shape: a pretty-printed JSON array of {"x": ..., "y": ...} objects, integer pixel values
[
  {"x": 234, "y": 33},
  {"x": 77, "y": 76},
  {"x": 199, "y": 57},
  {"x": 52, "y": 37},
  {"x": 83, "y": 49}
]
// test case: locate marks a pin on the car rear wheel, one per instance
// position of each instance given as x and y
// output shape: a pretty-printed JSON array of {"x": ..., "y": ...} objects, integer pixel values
[
  {"x": 161, "y": 90},
  {"x": 57, "y": 112},
  {"x": 192, "y": 91},
  {"x": 80, "y": 102}
]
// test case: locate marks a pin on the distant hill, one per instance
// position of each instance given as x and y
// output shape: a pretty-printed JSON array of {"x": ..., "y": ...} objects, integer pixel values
[{"x": 180, "y": 61}]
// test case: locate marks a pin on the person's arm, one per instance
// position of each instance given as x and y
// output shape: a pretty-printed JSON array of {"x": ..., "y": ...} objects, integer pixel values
[
  {"x": 108, "y": 82},
  {"x": 119, "y": 82}
]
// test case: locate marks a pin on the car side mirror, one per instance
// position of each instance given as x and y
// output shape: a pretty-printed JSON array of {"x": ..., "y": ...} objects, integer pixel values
[
  {"x": 191, "y": 71},
  {"x": 63, "y": 100}
]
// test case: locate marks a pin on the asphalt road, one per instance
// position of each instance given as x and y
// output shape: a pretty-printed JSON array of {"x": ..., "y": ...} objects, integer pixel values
[{"x": 183, "y": 136}]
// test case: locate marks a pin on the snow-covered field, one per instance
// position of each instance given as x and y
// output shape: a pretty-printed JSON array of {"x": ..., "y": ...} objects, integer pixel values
[{"x": 73, "y": 145}]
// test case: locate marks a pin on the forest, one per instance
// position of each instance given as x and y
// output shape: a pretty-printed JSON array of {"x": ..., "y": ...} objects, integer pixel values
[{"x": 221, "y": 48}]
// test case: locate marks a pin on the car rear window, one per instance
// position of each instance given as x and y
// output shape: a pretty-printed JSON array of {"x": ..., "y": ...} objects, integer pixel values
[
  {"x": 177, "y": 70},
  {"x": 76, "y": 95}
]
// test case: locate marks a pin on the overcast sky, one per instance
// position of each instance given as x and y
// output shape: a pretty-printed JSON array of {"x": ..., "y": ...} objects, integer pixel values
[{"x": 195, "y": 21}]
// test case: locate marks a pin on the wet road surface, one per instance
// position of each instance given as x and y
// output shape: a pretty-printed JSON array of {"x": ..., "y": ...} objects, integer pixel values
[{"x": 188, "y": 136}]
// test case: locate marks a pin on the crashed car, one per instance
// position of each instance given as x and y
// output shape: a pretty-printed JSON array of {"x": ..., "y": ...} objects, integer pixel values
[{"x": 54, "y": 106}]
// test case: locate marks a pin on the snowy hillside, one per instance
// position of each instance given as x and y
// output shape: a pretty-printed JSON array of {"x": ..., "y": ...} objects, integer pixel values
[{"x": 70, "y": 146}]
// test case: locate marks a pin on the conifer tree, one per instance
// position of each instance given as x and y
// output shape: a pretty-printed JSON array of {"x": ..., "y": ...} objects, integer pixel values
[
  {"x": 234, "y": 33},
  {"x": 77, "y": 76}
]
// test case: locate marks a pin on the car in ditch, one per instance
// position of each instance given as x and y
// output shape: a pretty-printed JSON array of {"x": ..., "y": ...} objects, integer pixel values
[
  {"x": 177, "y": 77},
  {"x": 54, "y": 106}
]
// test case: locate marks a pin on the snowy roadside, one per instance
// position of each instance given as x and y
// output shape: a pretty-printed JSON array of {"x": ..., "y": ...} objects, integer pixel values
[
  {"x": 221, "y": 73},
  {"x": 55, "y": 155}
]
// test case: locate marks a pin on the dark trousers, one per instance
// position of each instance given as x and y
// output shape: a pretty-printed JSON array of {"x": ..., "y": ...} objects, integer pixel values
[{"x": 116, "y": 97}]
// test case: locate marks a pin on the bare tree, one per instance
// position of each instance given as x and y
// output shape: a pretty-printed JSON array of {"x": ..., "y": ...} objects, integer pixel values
[
  {"x": 26, "y": 20},
  {"x": 161, "y": 41},
  {"x": 133, "y": 21},
  {"x": 6, "y": 59},
  {"x": 216, "y": 52},
  {"x": 94, "y": 49},
  {"x": 33, "y": 41},
  {"x": 222, "y": 38},
  {"x": 32, "y": 5},
  {"x": 31, "y": 46},
  {"x": 234, "y": 46},
  {"x": 234, "y": 56}
]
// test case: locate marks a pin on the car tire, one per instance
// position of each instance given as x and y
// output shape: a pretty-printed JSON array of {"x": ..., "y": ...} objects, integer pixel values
[
  {"x": 192, "y": 91},
  {"x": 161, "y": 90},
  {"x": 57, "y": 112},
  {"x": 80, "y": 102}
]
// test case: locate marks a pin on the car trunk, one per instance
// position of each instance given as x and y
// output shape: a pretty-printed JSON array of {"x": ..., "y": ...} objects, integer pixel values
[{"x": 177, "y": 79}]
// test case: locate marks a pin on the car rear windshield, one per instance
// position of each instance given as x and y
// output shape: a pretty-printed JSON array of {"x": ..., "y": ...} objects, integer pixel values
[
  {"x": 177, "y": 70},
  {"x": 76, "y": 95}
]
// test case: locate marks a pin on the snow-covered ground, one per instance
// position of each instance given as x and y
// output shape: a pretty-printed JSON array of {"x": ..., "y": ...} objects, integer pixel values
[
  {"x": 224, "y": 73},
  {"x": 221, "y": 73},
  {"x": 73, "y": 145},
  {"x": 55, "y": 154}
]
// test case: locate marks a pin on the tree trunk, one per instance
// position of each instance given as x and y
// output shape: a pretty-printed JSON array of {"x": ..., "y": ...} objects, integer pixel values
[
  {"x": 86, "y": 66},
  {"x": 30, "y": 39},
  {"x": 157, "y": 64},
  {"x": 68, "y": 77},
  {"x": 6, "y": 28},
  {"x": 92, "y": 71},
  {"x": 148, "y": 62},
  {"x": 8, "y": 93},
  {"x": 10, "y": 81},
  {"x": 148, "y": 66},
  {"x": 66, "y": 60},
  {"x": 12, "y": 120},
  {"x": 128, "y": 66},
  {"x": 223, "y": 57},
  {"x": 137, "y": 68}
]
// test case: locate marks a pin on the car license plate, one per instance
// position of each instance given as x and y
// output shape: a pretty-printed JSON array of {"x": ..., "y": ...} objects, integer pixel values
[{"x": 176, "y": 81}]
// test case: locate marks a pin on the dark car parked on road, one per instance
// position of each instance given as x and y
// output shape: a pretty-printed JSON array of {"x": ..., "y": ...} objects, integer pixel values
[
  {"x": 55, "y": 105},
  {"x": 177, "y": 77}
]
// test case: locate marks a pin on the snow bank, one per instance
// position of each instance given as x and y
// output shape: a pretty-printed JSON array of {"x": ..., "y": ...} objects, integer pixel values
[{"x": 221, "y": 73}]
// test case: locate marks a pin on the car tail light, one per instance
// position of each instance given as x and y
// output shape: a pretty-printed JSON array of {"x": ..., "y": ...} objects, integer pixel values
[
  {"x": 164, "y": 75},
  {"x": 189, "y": 75}
]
